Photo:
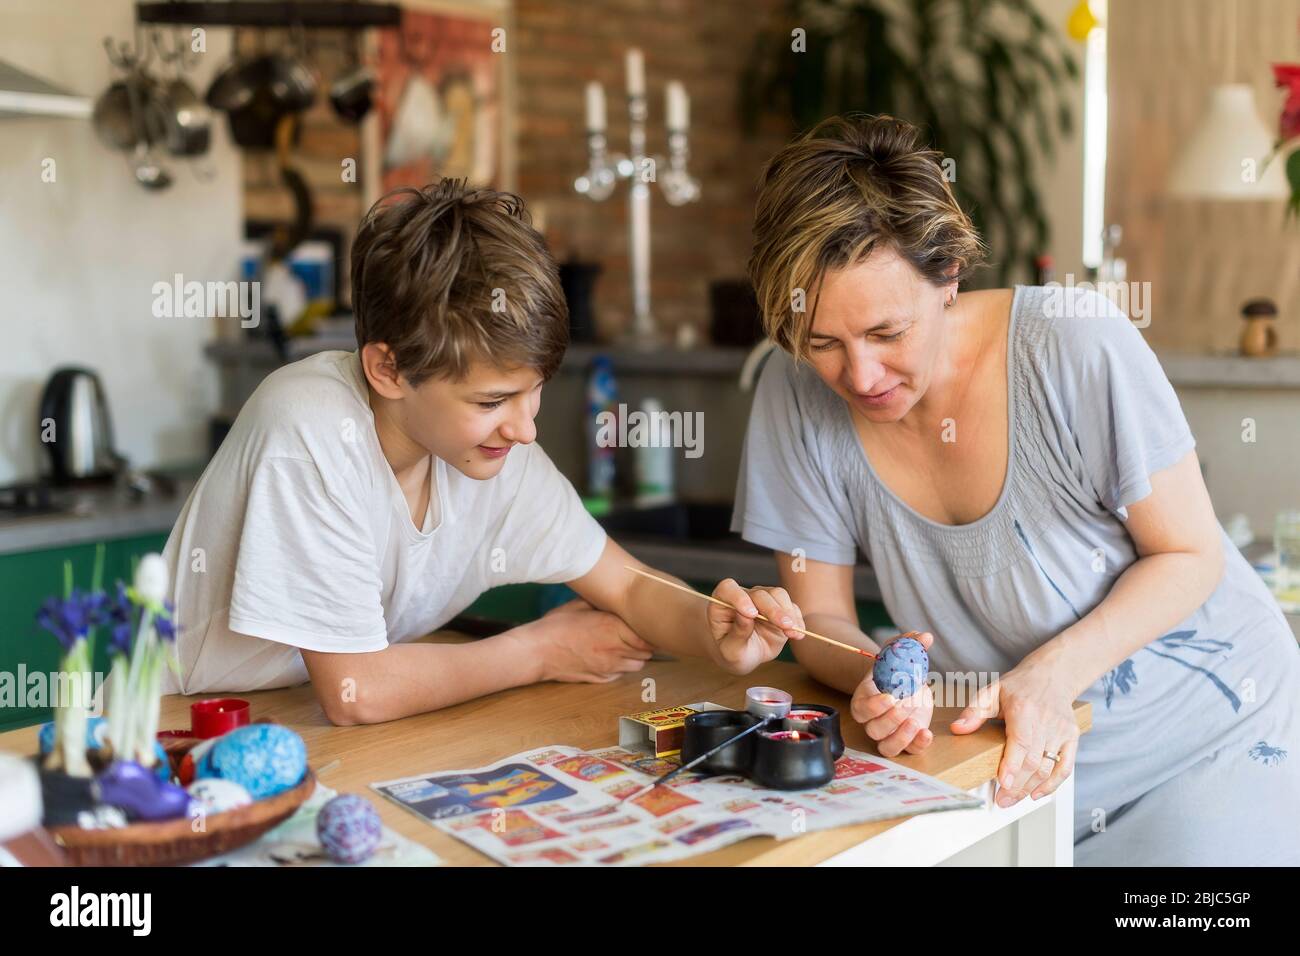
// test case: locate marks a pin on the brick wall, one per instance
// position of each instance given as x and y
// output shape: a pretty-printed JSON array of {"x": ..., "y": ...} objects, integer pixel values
[{"x": 555, "y": 47}]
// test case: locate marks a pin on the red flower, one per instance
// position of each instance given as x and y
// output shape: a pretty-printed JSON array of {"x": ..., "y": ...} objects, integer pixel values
[{"x": 1287, "y": 76}]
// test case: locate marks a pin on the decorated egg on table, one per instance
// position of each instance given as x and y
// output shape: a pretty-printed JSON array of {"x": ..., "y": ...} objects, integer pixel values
[
  {"x": 348, "y": 828},
  {"x": 264, "y": 759},
  {"x": 215, "y": 795},
  {"x": 902, "y": 668}
]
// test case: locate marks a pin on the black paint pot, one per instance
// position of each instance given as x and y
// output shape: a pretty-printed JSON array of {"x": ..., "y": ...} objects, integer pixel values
[
  {"x": 800, "y": 718},
  {"x": 704, "y": 731},
  {"x": 792, "y": 759}
]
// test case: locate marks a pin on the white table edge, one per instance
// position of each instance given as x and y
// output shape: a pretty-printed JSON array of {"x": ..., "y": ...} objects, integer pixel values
[{"x": 1044, "y": 833}]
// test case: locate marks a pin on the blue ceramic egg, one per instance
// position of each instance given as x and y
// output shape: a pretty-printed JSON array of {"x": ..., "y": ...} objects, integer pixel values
[
  {"x": 902, "y": 668},
  {"x": 96, "y": 734},
  {"x": 264, "y": 759},
  {"x": 348, "y": 828}
]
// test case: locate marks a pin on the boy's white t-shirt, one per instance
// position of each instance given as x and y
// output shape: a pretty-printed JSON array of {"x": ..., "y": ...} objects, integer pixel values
[{"x": 297, "y": 535}]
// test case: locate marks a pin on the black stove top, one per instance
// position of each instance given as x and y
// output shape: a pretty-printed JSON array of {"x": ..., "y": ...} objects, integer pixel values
[{"x": 27, "y": 498}]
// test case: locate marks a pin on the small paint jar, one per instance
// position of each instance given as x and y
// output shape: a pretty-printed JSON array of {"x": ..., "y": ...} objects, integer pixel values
[
  {"x": 767, "y": 702},
  {"x": 803, "y": 716},
  {"x": 792, "y": 759},
  {"x": 704, "y": 731}
]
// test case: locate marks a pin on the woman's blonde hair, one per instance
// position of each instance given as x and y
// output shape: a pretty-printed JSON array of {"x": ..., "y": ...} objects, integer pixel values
[{"x": 837, "y": 192}]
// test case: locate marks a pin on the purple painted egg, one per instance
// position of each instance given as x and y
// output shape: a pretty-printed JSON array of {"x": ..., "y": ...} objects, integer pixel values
[
  {"x": 348, "y": 828},
  {"x": 902, "y": 668},
  {"x": 139, "y": 792}
]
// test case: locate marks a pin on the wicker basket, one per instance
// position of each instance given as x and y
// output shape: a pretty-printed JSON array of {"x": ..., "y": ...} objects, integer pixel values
[{"x": 174, "y": 842}]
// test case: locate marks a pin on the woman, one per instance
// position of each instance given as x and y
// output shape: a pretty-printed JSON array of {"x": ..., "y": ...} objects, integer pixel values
[{"x": 1017, "y": 469}]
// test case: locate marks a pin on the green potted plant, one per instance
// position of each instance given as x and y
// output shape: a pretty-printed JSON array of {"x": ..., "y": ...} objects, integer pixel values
[{"x": 988, "y": 80}]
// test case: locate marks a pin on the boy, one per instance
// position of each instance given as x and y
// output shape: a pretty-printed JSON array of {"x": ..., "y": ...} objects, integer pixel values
[{"x": 363, "y": 499}]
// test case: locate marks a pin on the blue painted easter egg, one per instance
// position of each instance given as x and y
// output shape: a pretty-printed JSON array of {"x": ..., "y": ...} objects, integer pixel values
[
  {"x": 264, "y": 759},
  {"x": 348, "y": 828},
  {"x": 97, "y": 737},
  {"x": 902, "y": 668},
  {"x": 96, "y": 734}
]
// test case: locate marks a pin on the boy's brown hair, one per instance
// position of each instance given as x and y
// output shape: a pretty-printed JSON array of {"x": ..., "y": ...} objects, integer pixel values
[
  {"x": 448, "y": 275},
  {"x": 845, "y": 187}
]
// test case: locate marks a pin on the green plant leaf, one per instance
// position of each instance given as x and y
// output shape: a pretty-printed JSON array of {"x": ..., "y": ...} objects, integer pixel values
[
  {"x": 1293, "y": 177},
  {"x": 983, "y": 79}
]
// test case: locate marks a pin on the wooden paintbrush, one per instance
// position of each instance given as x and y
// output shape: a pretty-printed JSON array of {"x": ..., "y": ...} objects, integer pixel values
[{"x": 710, "y": 597}]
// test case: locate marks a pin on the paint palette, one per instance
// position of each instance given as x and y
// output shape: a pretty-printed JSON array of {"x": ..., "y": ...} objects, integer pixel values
[
  {"x": 797, "y": 749},
  {"x": 822, "y": 716}
]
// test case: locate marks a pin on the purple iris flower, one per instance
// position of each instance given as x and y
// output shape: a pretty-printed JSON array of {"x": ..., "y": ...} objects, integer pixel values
[
  {"x": 117, "y": 615},
  {"x": 165, "y": 624},
  {"x": 70, "y": 619}
]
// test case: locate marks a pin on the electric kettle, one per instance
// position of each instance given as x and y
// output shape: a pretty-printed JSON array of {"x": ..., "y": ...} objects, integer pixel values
[{"x": 75, "y": 427}]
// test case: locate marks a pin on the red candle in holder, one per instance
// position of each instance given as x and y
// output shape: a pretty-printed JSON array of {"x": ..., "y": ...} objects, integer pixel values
[
  {"x": 212, "y": 718},
  {"x": 806, "y": 715},
  {"x": 791, "y": 735}
]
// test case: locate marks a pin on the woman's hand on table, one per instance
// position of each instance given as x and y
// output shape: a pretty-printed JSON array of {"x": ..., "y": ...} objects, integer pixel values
[
  {"x": 742, "y": 641},
  {"x": 580, "y": 644},
  {"x": 895, "y": 724},
  {"x": 1037, "y": 706}
]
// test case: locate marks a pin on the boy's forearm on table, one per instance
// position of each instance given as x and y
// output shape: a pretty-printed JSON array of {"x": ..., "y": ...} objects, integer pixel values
[
  {"x": 1149, "y": 598},
  {"x": 416, "y": 678}
]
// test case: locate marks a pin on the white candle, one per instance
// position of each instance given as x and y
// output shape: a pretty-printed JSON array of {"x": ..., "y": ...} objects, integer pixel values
[
  {"x": 678, "y": 106},
  {"x": 595, "y": 108},
  {"x": 635, "y": 73}
]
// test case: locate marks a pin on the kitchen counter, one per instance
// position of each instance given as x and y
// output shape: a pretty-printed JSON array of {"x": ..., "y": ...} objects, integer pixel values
[
  {"x": 1230, "y": 370},
  {"x": 349, "y": 759},
  {"x": 100, "y": 514},
  {"x": 95, "y": 514}
]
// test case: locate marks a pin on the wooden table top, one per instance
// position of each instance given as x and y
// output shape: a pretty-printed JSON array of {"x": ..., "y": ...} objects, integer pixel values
[{"x": 491, "y": 728}]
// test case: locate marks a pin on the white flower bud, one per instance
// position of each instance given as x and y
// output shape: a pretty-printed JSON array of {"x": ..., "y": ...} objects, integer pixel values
[{"x": 151, "y": 578}]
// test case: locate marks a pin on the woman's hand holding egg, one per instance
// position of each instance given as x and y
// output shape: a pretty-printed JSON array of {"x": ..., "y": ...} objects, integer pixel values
[{"x": 898, "y": 716}]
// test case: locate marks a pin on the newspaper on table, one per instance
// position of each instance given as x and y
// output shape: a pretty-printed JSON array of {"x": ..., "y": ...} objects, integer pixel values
[
  {"x": 558, "y": 806},
  {"x": 294, "y": 843}
]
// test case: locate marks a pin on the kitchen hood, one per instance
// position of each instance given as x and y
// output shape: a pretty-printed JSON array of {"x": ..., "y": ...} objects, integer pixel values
[{"x": 22, "y": 94}]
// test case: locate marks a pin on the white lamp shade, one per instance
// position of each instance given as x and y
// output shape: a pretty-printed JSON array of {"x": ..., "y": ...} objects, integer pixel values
[{"x": 1224, "y": 159}]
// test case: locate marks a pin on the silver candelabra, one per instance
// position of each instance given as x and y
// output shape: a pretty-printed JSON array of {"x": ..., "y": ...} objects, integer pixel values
[{"x": 604, "y": 169}]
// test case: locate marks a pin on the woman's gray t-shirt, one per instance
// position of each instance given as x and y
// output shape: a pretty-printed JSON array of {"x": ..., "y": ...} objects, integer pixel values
[{"x": 1091, "y": 417}]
